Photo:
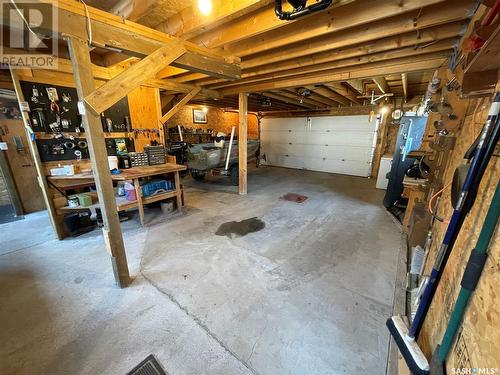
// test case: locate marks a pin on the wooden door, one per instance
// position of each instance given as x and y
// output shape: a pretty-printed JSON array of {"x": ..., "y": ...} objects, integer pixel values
[{"x": 22, "y": 166}]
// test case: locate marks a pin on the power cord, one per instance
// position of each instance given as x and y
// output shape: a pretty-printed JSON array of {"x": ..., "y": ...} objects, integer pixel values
[{"x": 89, "y": 23}]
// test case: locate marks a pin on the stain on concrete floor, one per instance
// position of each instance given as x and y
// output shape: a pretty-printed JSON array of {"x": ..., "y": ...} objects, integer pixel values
[{"x": 240, "y": 228}]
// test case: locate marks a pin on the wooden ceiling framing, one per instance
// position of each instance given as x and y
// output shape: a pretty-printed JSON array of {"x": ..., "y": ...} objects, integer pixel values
[{"x": 330, "y": 59}]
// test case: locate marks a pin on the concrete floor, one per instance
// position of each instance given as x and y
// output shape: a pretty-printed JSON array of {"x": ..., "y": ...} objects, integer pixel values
[{"x": 308, "y": 294}]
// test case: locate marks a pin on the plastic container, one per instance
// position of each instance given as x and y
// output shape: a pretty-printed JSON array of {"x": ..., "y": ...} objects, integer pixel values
[
  {"x": 85, "y": 200},
  {"x": 130, "y": 193},
  {"x": 113, "y": 162},
  {"x": 155, "y": 187}
]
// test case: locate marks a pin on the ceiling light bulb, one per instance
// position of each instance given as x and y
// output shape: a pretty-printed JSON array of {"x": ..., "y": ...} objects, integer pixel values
[{"x": 205, "y": 6}]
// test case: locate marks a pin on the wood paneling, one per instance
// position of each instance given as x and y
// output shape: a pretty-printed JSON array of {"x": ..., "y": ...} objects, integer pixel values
[{"x": 145, "y": 113}]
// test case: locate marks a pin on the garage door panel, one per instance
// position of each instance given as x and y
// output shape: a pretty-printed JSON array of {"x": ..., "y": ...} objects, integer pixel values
[
  {"x": 343, "y": 123},
  {"x": 330, "y": 144},
  {"x": 340, "y": 139},
  {"x": 322, "y": 151},
  {"x": 351, "y": 167}
]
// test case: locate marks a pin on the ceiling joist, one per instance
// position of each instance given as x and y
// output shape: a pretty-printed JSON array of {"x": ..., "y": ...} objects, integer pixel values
[{"x": 109, "y": 31}]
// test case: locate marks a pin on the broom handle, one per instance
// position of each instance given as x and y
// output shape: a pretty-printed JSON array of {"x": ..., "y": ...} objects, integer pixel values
[{"x": 471, "y": 275}]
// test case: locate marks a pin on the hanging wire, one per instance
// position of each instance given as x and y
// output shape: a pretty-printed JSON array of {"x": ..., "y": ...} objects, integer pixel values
[
  {"x": 25, "y": 21},
  {"x": 89, "y": 24}
]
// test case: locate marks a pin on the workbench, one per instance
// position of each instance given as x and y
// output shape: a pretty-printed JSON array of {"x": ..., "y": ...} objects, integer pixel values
[{"x": 133, "y": 174}]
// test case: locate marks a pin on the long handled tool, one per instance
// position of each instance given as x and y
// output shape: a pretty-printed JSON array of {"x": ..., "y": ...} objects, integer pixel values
[
  {"x": 406, "y": 337},
  {"x": 469, "y": 282}
]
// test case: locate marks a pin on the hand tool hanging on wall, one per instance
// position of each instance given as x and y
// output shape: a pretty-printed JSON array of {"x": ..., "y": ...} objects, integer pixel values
[
  {"x": 406, "y": 337},
  {"x": 470, "y": 278}
]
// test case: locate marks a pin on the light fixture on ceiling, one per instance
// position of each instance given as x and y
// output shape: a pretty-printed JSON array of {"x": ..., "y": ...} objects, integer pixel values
[
  {"x": 205, "y": 6},
  {"x": 384, "y": 110}
]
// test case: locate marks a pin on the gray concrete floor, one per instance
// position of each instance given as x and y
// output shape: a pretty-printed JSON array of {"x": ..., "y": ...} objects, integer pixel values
[{"x": 308, "y": 294}]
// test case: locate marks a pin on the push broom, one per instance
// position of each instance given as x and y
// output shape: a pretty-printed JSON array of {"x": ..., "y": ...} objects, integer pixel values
[
  {"x": 470, "y": 278},
  {"x": 405, "y": 337}
]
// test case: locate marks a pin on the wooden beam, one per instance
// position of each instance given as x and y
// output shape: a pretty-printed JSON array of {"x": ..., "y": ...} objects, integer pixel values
[
  {"x": 261, "y": 21},
  {"x": 414, "y": 21},
  {"x": 393, "y": 66},
  {"x": 82, "y": 71},
  {"x": 335, "y": 111},
  {"x": 322, "y": 99},
  {"x": 382, "y": 85},
  {"x": 333, "y": 20},
  {"x": 412, "y": 39},
  {"x": 132, "y": 9},
  {"x": 119, "y": 86},
  {"x": 179, "y": 105},
  {"x": 292, "y": 94},
  {"x": 42, "y": 181},
  {"x": 242, "y": 142},
  {"x": 189, "y": 22},
  {"x": 170, "y": 85},
  {"x": 285, "y": 99},
  {"x": 165, "y": 100},
  {"x": 330, "y": 94},
  {"x": 112, "y": 32},
  {"x": 344, "y": 91},
  {"x": 349, "y": 63},
  {"x": 404, "y": 79},
  {"x": 356, "y": 84}
]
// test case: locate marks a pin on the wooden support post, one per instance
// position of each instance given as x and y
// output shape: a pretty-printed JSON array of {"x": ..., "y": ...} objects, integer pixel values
[
  {"x": 179, "y": 105},
  {"x": 36, "y": 158},
  {"x": 118, "y": 87},
  {"x": 242, "y": 141},
  {"x": 82, "y": 71}
]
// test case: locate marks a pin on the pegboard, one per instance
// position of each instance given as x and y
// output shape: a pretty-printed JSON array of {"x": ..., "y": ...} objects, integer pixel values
[
  {"x": 61, "y": 149},
  {"x": 64, "y": 104},
  {"x": 64, "y": 148}
]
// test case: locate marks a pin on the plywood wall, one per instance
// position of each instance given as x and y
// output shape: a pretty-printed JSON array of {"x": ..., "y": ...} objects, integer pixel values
[
  {"x": 218, "y": 120},
  {"x": 145, "y": 112},
  {"x": 478, "y": 342}
]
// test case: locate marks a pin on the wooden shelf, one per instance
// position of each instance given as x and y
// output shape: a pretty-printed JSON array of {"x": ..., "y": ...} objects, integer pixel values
[
  {"x": 487, "y": 58},
  {"x": 121, "y": 202}
]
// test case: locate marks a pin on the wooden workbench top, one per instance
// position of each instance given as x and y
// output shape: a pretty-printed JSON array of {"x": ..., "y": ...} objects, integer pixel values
[{"x": 128, "y": 174}]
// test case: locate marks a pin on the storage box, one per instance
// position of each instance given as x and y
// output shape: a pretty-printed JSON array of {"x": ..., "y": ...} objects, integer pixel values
[
  {"x": 156, "y": 154},
  {"x": 154, "y": 187},
  {"x": 138, "y": 158},
  {"x": 85, "y": 200}
]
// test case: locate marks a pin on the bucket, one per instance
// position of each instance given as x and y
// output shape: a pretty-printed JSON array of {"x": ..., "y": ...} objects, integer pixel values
[
  {"x": 130, "y": 192},
  {"x": 167, "y": 207}
]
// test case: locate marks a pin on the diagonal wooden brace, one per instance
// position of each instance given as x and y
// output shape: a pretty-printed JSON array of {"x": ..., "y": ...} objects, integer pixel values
[
  {"x": 179, "y": 105},
  {"x": 118, "y": 87}
]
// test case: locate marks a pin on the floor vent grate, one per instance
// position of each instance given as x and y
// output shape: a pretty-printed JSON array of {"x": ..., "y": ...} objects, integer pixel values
[{"x": 149, "y": 366}]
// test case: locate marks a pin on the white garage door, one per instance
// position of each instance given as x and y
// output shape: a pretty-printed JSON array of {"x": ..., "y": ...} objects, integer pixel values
[{"x": 338, "y": 144}]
